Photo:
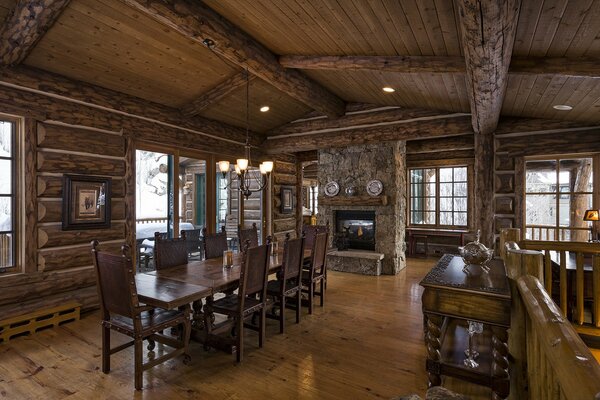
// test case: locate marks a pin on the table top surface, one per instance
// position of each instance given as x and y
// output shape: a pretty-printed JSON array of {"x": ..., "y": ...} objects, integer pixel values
[
  {"x": 211, "y": 273},
  {"x": 448, "y": 274},
  {"x": 168, "y": 293}
]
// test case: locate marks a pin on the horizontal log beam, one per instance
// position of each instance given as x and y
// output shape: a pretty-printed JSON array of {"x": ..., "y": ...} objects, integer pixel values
[
  {"x": 559, "y": 66},
  {"x": 552, "y": 143},
  {"x": 355, "y": 119},
  {"x": 455, "y": 143},
  {"x": 53, "y": 85},
  {"x": 215, "y": 94},
  {"x": 198, "y": 22},
  {"x": 25, "y": 26},
  {"x": 403, "y": 64},
  {"x": 426, "y": 128}
]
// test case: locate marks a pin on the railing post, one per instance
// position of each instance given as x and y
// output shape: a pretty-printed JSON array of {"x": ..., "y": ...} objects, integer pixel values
[
  {"x": 508, "y": 235},
  {"x": 519, "y": 263}
]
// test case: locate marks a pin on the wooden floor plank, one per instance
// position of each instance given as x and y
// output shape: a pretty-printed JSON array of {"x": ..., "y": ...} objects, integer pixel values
[{"x": 366, "y": 343}]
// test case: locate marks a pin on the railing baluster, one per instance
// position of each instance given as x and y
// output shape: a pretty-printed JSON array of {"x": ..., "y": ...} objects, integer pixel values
[
  {"x": 579, "y": 288},
  {"x": 563, "y": 282},
  {"x": 548, "y": 271},
  {"x": 596, "y": 289}
]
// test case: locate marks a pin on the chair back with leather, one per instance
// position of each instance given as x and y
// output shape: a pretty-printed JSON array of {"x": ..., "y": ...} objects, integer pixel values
[
  {"x": 293, "y": 257},
  {"x": 254, "y": 272},
  {"x": 214, "y": 244},
  {"x": 116, "y": 283},
  {"x": 193, "y": 237},
  {"x": 319, "y": 252},
  {"x": 248, "y": 234},
  {"x": 310, "y": 232},
  {"x": 169, "y": 253}
]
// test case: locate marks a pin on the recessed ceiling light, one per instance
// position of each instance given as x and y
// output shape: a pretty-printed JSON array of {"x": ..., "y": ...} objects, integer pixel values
[
  {"x": 562, "y": 107},
  {"x": 264, "y": 109},
  {"x": 389, "y": 89}
]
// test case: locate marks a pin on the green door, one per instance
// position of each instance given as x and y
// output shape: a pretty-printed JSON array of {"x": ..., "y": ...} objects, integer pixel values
[{"x": 200, "y": 200}]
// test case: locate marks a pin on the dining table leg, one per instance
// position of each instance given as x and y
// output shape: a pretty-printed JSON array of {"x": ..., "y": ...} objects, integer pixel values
[{"x": 197, "y": 315}]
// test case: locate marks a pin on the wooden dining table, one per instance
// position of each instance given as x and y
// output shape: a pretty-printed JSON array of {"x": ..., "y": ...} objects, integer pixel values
[{"x": 212, "y": 275}]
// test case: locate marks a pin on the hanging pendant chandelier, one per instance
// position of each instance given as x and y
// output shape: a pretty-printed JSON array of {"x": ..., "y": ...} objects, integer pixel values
[{"x": 249, "y": 181}]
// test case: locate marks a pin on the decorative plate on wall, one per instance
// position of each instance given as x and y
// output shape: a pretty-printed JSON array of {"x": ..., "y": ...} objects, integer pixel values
[
  {"x": 332, "y": 189},
  {"x": 374, "y": 188}
]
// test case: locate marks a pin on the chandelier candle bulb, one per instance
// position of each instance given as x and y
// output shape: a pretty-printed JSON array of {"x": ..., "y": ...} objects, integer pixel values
[
  {"x": 262, "y": 168},
  {"x": 224, "y": 167},
  {"x": 268, "y": 166},
  {"x": 237, "y": 169},
  {"x": 242, "y": 163}
]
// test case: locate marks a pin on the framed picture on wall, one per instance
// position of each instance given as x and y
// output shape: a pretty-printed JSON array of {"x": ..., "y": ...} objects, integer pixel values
[
  {"x": 86, "y": 202},
  {"x": 287, "y": 199}
]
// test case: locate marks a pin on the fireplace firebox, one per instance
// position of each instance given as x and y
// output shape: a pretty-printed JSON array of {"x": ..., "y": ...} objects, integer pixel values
[{"x": 356, "y": 229}]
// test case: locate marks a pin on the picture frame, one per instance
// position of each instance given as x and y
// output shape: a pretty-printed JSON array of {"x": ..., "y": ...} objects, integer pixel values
[
  {"x": 287, "y": 199},
  {"x": 86, "y": 202}
]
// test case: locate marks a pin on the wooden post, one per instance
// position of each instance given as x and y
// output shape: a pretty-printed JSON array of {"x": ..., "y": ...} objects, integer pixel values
[
  {"x": 484, "y": 186},
  {"x": 299, "y": 176},
  {"x": 519, "y": 263},
  {"x": 30, "y": 165},
  {"x": 508, "y": 235},
  {"x": 129, "y": 183}
]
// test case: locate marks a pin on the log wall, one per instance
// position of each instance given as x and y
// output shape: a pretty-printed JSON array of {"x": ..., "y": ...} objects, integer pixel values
[
  {"x": 284, "y": 174},
  {"x": 65, "y": 137}
]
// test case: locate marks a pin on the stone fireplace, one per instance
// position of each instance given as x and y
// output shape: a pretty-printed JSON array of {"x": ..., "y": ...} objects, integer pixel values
[{"x": 354, "y": 167}]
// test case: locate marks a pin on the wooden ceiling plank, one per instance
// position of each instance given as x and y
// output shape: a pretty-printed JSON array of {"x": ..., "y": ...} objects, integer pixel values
[
  {"x": 388, "y": 24},
  {"x": 572, "y": 21},
  {"x": 23, "y": 29},
  {"x": 430, "y": 19},
  {"x": 562, "y": 97},
  {"x": 552, "y": 12},
  {"x": 585, "y": 41},
  {"x": 370, "y": 26},
  {"x": 442, "y": 127},
  {"x": 216, "y": 94},
  {"x": 401, "y": 26},
  {"x": 53, "y": 84},
  {"x": 544, "y": 107},
  {"x": 529, "y": 17},
  {"x": 198, "y": 22},
  {"x": 446, "y": 17},
  {"x": 413, "y": 17},
  {"x": 488, "y": 32}
]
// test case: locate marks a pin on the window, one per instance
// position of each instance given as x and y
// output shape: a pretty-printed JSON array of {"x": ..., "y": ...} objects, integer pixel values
[
  {"x": 557, "y": 193},
  {"x": 439, "y": 197},
  {"x": 7, "y": 195}
]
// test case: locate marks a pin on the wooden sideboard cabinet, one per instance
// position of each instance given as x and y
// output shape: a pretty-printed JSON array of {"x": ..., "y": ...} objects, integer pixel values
[{"x": 452, "y": 298}]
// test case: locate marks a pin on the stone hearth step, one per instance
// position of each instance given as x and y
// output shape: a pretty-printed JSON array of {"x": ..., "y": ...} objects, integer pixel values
[{"x": 356, "y": 261}]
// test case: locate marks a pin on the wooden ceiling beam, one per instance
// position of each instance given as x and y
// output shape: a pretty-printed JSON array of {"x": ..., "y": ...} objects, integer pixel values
[
  {"x": 380, "y": 115},
  {"x": 403, "y": 64},
  {"x": 488, "y": 29},
  {"x": 53, "y": 85},
  {"x": 555, "y": 66},
  {"x": 201, "y": 24},
  {"x": 25, "y": 26},
  {"x": 451, "y": 125},
  {"x": 215, "y": 94}
]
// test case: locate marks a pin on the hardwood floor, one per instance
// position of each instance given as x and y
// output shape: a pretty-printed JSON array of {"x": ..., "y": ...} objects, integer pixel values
[{"x": 365, "y": 343}]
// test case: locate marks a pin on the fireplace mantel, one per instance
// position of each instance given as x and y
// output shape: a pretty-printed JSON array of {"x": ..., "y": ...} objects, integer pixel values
[{"x": 354, "y": 201}]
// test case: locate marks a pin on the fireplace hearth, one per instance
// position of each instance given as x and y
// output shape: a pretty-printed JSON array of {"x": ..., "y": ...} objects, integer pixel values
[{"x": 355, "y": 229}]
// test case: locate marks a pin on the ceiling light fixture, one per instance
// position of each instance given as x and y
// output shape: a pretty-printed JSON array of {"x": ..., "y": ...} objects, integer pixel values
[
  {"x": 249, "y": 182},
  {"x": 389, "y": 89},
  {"x": 562, "y": 107},
  {"x": 264, "y": 108}
]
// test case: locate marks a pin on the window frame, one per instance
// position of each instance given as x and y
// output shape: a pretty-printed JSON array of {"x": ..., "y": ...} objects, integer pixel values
[
  {"x": 558, "y": 193},
  {"x": 437, "y": 225},
  {"x": 17, "y": 195}
]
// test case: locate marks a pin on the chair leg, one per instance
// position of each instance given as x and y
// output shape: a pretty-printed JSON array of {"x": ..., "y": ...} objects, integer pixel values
[
  {"x": 240, "y": 339},
  {"x": 187, "y": 330},
  {"x": 282, "y": 314},
  {"x": 298, "y": 305},
  {"x": 105, "y": 350},
  {"x": 138, "y": 371},
  {"x": 262, "y": 327},
  {"x": 322, "y": 291},
  {"x": 311, "y": 296}
]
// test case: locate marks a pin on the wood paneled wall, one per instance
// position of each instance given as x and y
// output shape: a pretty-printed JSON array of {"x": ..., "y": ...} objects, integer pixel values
[{"x": 284, "y": 174}]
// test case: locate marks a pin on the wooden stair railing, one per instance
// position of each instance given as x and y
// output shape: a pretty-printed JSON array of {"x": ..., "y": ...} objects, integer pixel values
[
  {"x": 581, "y": 250},
  {"x": 547, "y": 352},
  {"x": 559, "y": 365}
]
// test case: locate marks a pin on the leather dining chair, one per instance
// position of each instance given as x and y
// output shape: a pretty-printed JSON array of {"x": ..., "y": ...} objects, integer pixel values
[{"x": 122, "y": 312}]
